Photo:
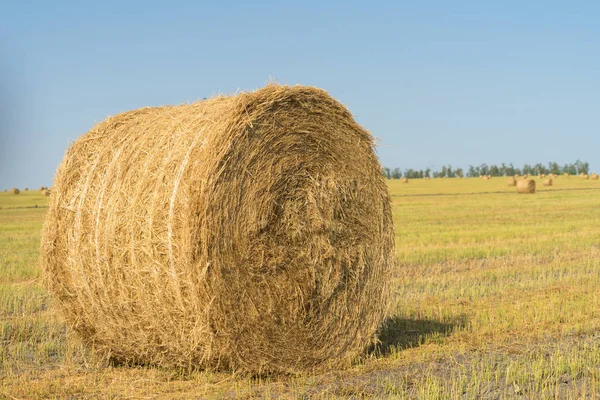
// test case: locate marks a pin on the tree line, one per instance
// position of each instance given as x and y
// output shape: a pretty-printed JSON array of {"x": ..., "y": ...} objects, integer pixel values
[{"x": 447, "y": 171}]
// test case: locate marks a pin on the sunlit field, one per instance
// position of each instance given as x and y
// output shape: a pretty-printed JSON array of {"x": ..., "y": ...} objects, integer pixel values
[{"x": 496, "y": 295}]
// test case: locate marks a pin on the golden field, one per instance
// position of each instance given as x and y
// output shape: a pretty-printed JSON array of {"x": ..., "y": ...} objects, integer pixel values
[{"x": 496, "y": 295}]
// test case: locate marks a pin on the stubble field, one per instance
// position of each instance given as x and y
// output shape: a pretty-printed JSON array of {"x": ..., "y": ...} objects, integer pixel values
[{"x": 496, "y": 295}]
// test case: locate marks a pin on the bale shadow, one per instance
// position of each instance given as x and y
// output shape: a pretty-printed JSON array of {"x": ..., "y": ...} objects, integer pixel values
[{"x": 397, "y": 333}]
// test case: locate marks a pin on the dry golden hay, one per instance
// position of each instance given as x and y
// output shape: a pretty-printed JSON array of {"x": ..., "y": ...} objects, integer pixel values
[
  {"x": 252, "y": 233},
  {"x": 512, "y": 182},
  {"x": 525, "y": 176},
  {"x": 594, "y": 177},
  {"x": 526, "y": 186},
  {"x": 42, "y": 188},
  {"x": 566, "y": 174},
  {"x": 584, "y": 176},
  {"x": 548, "y": 182},
  {"x": 404, "y": 180},
  {"x": 46, "y": 192},
  {"x": 15, "y": 191}
]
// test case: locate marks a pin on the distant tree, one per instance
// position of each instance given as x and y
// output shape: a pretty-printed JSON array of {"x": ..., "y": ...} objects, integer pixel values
[
  {"x": 396, "y": 174},
  {"x": 459, "y": 172},
  {"x": 553, "y": 168},
  {"x": 582, "y": 167},
  {"x": 484, "y": 169},
  {"x": 473, "y": 171},
  {"x": 387, "y": 173}
]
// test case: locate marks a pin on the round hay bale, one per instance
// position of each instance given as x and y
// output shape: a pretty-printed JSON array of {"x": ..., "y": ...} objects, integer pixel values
[
  {"x": 252, "y": 232},
  {"x": 512, "y": 182},
  {"x": 26, "y": 189},
  {"x": 42, "y": 188},
  {"x": 404, "y": 180},
  {"x": 594, "y": 177},
  {"x": 548, "y": 182},
  {"x": 584, "y": 176},
  {"x": 46, "y": 192},
  {"x": 15, "y": 191},
  {"x": 526, "y": 186}
]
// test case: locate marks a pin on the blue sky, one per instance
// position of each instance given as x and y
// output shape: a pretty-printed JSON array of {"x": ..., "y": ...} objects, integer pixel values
[{"x": 437, "y": 82}]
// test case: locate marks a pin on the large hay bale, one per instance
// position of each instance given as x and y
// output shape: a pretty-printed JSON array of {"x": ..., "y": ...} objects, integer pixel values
[
  {"x": 548, "y": 182},
  {"x": 526, "y": 186},
  {"x": 512, "y": 182},
  {"x": 251, "y": 232},
  {"x": 15, "y": 191}
]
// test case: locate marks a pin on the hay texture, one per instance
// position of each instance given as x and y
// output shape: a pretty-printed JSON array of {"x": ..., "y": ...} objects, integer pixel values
[
  {"x": 15, "y": 191},
  {"x": 404, "y": 180},
  {"x": 548, "y": 182},
  {"x": 526, "y": 186},
  {"x": 512, "y": 182},
  {"x": 249, "y": 233},
  {"x": 594, "y": 177}
]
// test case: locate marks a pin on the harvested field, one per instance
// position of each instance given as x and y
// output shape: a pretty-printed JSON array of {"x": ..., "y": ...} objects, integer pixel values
[{"x": 489, "y": 300}]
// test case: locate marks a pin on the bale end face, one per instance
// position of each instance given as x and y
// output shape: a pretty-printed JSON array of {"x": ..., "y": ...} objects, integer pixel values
[{"x": 15, "y": 191}]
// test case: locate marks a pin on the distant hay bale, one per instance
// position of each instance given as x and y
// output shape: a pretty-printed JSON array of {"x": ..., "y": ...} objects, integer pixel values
[
  {"x": 26, "y": 189},
  {"x": 15, "y": 191},
  {"x": 525, "y": 176},
  {"x": 548, "y": 182},
  {"x": 566, "y": 174},
  {"x": 42, "y": 188},
  {"x": 512, "y": 182},
  {"x": 584, "y": 176},
  {"x": 46, "y": 192},
  {"x": 404, "y": 180},
  {"x": 250, "y": 233},
  {"x": 594, "y": 177},
  {"x": 526, "y": 186}
]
